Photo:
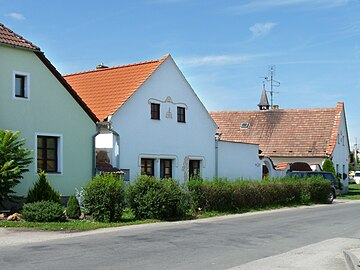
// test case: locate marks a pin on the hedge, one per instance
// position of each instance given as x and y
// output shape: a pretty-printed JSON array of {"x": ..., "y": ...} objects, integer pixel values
[
  {"x": 154, "y": 198},
  {"x": 223, "y": 195}
]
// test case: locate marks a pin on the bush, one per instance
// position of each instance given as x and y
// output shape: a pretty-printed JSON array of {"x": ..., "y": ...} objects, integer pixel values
[
  {"x": 234, "y": 196},
  {"x": 154, "y": 198},
  {"x": 42, "y": 191},
  {"x": 104, "y": 197},
  {"x": 44, "y": 211},
  {"x": 14, "y": 161},
  {"x": 73, "y": 208}
]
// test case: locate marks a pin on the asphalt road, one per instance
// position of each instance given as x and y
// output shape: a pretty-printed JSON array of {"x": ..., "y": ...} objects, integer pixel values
[{"x": 218, "y": 243}]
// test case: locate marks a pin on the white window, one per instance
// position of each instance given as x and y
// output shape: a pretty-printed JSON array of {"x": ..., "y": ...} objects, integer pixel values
[
  {"x": 48, "y": 153},
  {"x": 21, "y": 85}
]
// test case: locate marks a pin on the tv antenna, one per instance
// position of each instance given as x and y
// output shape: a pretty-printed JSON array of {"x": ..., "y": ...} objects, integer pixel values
[{"x": 273, "y": 83}]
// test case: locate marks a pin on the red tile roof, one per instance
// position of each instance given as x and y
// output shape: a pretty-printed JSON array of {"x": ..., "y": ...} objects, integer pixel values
[
  {"x": 8, "y": 37},
  {"x": 106, "y": 90},
  {"x": 283, "y": 133}
]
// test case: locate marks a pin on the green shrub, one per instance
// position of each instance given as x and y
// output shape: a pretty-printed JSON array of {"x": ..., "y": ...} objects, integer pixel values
[
  {"x": 73, "y": 208},
  {"x": 14, "y": 161},
  {"x": 42, "y": 191},
  {"x": 153, "y": 198},
  {"x": 104, "y": 197},
  {"x": 234, "y": 196},
  {"x": 44, "y": 211}
]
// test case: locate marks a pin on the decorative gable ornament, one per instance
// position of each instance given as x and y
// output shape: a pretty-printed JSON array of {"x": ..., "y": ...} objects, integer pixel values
[
  {"x": 169, "y": 114},
  {"x": 168, "y": 99}
]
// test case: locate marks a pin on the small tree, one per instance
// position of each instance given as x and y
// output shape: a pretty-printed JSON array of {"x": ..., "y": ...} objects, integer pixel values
[
  {"x": 104, "y": 197},
  {"x": 42, "y": 191},
  {"x": 14, "y": 161},
  {"x": 328, "y": 166},
  {"x": 73, "y": 208}
]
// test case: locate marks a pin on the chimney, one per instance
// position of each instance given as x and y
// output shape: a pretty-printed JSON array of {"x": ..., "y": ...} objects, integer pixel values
[
  {"x": 276, "y": 107},
  {"x": 101, "y": 66}
]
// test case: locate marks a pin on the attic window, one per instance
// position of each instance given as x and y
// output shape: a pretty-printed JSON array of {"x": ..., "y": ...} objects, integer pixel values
[{"x": 244, "y": 126}]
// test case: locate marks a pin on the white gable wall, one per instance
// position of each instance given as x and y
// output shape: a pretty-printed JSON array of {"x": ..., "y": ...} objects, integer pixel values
[
  {"x": 340, "y": 156},
  {"x": 239, "y": 161},
  {"x": 141, "y": 136}
]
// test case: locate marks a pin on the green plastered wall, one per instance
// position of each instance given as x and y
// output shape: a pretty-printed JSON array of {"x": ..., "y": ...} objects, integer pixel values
[{"x": 51, "y": 110}]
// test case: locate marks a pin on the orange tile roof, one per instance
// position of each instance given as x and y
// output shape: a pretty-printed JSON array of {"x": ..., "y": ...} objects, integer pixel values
[
  {"x": 284, "y": 133},
  {"x": 8, "y": 37},
  {"x": 106, "y": 90}
]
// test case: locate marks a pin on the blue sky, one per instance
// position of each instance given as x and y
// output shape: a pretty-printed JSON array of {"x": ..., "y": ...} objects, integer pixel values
[{"x": 222, "y": 47}]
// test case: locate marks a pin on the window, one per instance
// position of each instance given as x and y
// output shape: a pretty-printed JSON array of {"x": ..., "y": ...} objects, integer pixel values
[
  {"x": 21, "y": 85},
  {"x": 194, "y": 168},
  {"x": 48, "y": 154},
  {"x": 165, "y": 168},
  {"x": 147, "y": 166},
  {"x": 244, "y": 125},
  {"x": 155, "y": 111},
  {"x": 181, "y": 114}
]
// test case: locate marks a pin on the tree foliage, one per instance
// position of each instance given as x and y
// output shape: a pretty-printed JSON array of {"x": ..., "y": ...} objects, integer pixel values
[
  {"x": 14, "y": 161},
  {"x": 42, "y": 191},
  {"x": 73, "y": 208},
  {"x": 104, "y": 197},
  {"x": 328, "y": 166}
]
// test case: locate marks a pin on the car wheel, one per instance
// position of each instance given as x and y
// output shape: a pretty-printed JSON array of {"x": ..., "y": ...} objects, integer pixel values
[{"x": 331, "y": 197}]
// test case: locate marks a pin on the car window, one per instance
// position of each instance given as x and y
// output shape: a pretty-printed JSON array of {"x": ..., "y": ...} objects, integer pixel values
[{"x": 357, "y": 174}]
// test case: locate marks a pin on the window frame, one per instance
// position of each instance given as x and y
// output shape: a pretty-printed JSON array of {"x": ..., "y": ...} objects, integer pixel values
[
  {"x": 191, "y": 168},
  {"x": 181, "y": 115},
  {"x": 26, "y": 86},
  {"x": 155, "y": 113},
  {"x": 144, "y": 167},
  {"x": 59, "y": 153},
  {"x": 163, "y": 168}
]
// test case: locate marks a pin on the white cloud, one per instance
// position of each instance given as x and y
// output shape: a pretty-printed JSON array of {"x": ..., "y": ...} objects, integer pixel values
[
  {"x": 216, "y": 60},
  {"x": 260, "y": 5},
  {"x": 16, "y": 16},
  {"x": 261, "y": 29}
]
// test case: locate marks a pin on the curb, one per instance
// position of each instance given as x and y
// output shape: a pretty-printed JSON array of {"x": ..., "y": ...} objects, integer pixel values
[{"x": 352, "y": 261}]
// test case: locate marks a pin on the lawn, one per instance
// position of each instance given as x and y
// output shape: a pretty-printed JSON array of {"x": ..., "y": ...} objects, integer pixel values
[
  {"x": 69, "y": 226},
  {"x": 354, "y": 193}
]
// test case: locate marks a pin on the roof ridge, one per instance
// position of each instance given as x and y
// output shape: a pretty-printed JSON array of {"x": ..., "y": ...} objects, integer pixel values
[
  {"x": 20, "y": 38},
  {"x": 118, "y": 67},
  {"x": 266, "y": 111}
]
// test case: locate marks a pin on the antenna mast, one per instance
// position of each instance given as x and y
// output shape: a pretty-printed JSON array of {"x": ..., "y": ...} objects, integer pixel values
[{"x": 273, "y": 83}]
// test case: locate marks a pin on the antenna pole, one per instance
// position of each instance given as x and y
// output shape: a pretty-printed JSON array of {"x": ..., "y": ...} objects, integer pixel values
[
  {"x": 355, "y": 154},
  {"x": 273, "y": 83}
]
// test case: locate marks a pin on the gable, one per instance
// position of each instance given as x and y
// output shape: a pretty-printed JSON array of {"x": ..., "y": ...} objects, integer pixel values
[
  {"x": 10, "y": 39},
  {"x": 106, "y": 90},
  {"x": 284, "y": 133}
]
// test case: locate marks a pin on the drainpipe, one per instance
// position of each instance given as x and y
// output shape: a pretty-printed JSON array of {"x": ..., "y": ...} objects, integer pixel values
[
  {"x": 94, "y": 153},
  {"x": 118, "y": 143},
  {"x": 217, "y": 139}
]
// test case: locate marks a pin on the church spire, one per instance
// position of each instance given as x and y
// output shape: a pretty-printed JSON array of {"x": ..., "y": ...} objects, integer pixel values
[{"x": 264, "y": 102}]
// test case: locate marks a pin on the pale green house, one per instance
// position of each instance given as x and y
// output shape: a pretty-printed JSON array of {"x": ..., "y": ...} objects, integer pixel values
[{"x": 57, "y": 124}]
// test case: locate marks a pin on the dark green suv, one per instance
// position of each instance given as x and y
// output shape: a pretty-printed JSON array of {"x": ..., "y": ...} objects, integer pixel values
[{"x": 335, "y": 189}]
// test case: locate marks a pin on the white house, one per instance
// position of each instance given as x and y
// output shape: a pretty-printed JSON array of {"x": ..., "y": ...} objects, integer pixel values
[
  {"x": 57, "y": 124},
  {"x": 291, "y": 135},
  {"x": 152, "y": 122}
]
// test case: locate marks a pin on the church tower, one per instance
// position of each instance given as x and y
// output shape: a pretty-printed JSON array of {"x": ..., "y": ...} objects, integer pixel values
[{"x": 264, "y": 102}]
